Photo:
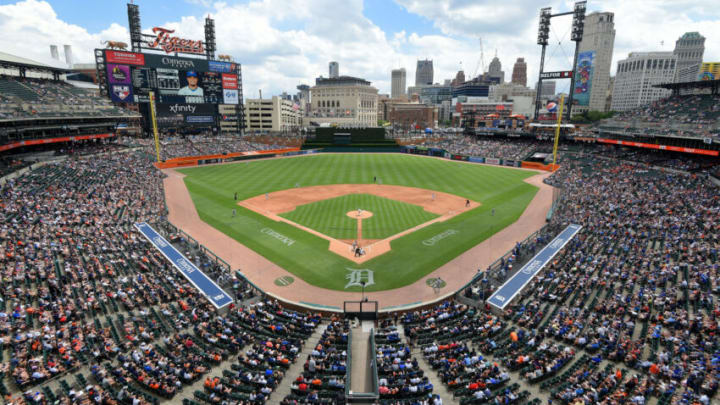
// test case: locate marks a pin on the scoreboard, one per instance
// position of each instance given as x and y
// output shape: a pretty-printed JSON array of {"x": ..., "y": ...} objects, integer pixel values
[{"x": 187, "y": 90}]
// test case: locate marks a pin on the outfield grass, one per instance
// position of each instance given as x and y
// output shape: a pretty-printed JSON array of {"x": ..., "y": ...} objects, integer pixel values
[
  {"x": 212, "y": 189},
  {"x": 329, "y": 216}
]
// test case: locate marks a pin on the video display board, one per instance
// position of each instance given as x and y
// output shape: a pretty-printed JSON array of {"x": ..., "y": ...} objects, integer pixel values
[{"x": 187, "y": 90}]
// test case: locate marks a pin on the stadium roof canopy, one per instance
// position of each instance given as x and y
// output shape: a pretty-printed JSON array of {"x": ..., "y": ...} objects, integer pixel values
[
  {"x": 714, "y": 85},
  {"x": 12, "y": 61}
]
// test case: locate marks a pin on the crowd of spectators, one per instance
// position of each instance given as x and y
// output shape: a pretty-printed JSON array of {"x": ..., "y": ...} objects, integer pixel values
[
  {"x": 80, "y": 287},
  {"x": 488, "y": 148},
  {"x": 636, "y": 291},
  {"x": 400, "y": 377},
  {"x": 9, "y": 165},
  {"x": 202, "y": 145},
  {"x": 323, "y": 376},
  {"x": 684, "y": 115}
]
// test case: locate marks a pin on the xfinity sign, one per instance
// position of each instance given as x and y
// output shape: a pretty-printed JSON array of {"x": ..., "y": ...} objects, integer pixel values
[{"x": 177, "y": 108}]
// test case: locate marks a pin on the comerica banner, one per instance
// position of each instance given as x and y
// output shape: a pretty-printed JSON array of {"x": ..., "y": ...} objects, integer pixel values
[{"x": 202, "y": 282}]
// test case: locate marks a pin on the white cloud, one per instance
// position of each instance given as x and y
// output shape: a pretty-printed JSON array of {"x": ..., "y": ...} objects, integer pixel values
[{"x": 30, "y": 27}]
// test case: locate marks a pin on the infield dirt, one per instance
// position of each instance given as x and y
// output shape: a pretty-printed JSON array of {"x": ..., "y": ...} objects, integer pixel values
[{"x": 443, "y": 204}]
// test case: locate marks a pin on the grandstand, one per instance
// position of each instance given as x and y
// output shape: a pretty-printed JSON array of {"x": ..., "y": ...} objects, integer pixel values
[
  {"x": 682, "y": 116},
  {"x": 90, "y": 312}
]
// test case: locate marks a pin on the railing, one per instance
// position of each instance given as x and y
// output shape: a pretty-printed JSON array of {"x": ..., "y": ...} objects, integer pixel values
[
  {"x": 372, "y": 360},
  {"x": 348, "y": 366}
]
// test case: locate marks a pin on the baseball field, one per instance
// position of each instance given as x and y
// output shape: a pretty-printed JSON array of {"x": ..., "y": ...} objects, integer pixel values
[{"x": 296, "y": 211}]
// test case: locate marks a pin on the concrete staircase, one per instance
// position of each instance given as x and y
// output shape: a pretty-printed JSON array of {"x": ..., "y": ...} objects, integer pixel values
[{"x": 359, "y": 374}]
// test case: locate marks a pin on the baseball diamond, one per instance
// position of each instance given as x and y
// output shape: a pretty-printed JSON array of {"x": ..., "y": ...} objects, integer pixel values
[{"x": 312, "y": 225}]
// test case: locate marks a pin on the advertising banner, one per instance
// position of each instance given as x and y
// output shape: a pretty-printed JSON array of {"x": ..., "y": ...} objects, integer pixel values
[
  {"x": 510, "y": 163},
  {"x": 229, "y": 81},
  {"x": 661, "y": 147},
  {"x": 192, "y": 114},
  {"x": 492, "y": 161},
  {"x": 174, "y": 62},
  {"x": 121, "y": 93},
  {"x": 475, "y": 159},
  {"x": 118, "y": 74},
  {"x": 204, "y": 284},
  {"x": 583, "y": 77},
  {"x": 460, "y": 157},
  {"x": 515, "y": 284},
  {"x": 43, "y": 141},
  {"x": 221, "y": 67},
  {"x": 126, "y": 58}
]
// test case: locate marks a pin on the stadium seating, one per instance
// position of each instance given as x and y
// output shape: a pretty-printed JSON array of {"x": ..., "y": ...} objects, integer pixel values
[
  {"x": 488, "y": 148},
  {"x": 41, "y": 98},
  {"x": 200, "y": 145},
  {"x": 323, "y": 376},
  {"x": 626, "y": 312},
  {"x": 687, "y": 116}
]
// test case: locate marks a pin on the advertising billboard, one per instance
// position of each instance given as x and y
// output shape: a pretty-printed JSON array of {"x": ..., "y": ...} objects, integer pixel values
[
  {"x": 188, "y": 90},
  {"x": 186, "y": 114},
  {"x": 583, "y": 77}
]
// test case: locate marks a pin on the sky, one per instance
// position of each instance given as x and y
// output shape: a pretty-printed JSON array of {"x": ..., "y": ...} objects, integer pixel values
[{"x": 284, "y": 43}]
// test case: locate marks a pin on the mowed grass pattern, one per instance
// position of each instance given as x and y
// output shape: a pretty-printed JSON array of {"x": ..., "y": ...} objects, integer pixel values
[
  {"x": 212, "y": 189},
  {"x": 329, "y": 216}
]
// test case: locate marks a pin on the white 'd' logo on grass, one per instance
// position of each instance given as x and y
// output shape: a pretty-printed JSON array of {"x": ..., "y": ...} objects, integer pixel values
[{"x": 357, "y": 276}]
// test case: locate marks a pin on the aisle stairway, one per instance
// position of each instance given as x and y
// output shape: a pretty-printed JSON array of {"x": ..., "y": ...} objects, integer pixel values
[{"x": 360, "y": 378}]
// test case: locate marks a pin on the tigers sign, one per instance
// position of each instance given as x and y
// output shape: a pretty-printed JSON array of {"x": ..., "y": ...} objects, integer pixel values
[{"x": 172, "y": 44}]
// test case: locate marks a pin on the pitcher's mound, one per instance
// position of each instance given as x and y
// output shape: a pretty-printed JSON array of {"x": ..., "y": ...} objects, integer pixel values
[{"x": 362, "y": 214}]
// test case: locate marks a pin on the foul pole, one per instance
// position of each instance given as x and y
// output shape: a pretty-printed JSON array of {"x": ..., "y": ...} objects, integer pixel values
[
  {"x": 557, "y": 129},
  {"x": 154, "y": 125}
]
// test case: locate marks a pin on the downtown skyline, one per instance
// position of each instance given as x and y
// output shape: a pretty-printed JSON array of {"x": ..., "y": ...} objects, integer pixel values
[{"x": 285, "y": 43}]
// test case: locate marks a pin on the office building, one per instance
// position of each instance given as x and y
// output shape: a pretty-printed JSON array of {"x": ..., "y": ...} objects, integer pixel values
[
  {"x": 398, "y": 82},
  {"x": 275, "y": 114},
  {"x": 548, "y": 88},
  {"x": 689, "y": 50},
  {"x": 637, "y": 74},
  {"x": 413, "y": 115},
  {"x": 459, "y": 78},
  {"x": 522, "y": 98},
  {"x": 345, "y": 101},
  {"x": 334, "y": 69},
  {"x": 495, "y": 73},
  {"x": 592, "y": 75},
  {"x": 303, "y": 96},
  {"x": 424, "y": 72},
  {"x": 519, "y": 73},
  {"x": 439, "y": 96}
]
